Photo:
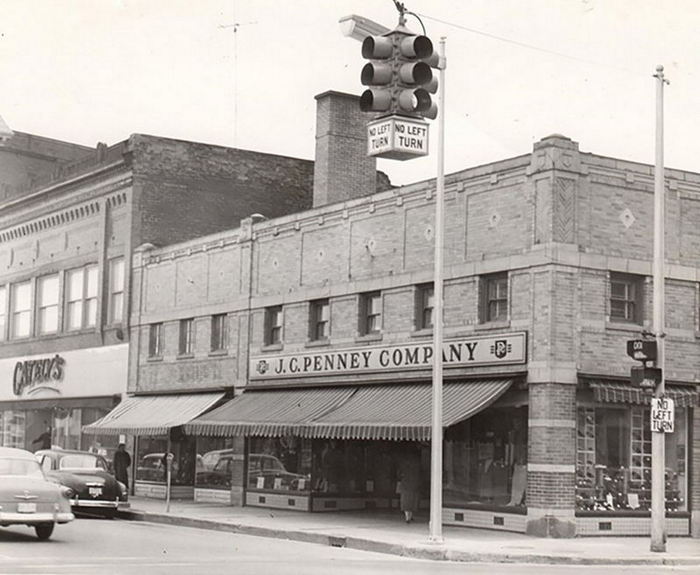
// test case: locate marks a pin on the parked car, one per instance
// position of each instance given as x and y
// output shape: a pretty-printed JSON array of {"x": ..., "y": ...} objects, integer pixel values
[
  {"x": 151, "y": 467},
  {"x": 93, "y": 489},
  {"x": 27, "y": 497}
]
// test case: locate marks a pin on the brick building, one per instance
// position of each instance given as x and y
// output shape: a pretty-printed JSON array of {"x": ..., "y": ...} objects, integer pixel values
[
  {"x": 320, "y": 323},
  {"x": 70, "y": 220}
]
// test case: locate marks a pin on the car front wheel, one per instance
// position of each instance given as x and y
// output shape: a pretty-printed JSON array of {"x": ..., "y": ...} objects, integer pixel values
[{"x": 44, "y": 531}]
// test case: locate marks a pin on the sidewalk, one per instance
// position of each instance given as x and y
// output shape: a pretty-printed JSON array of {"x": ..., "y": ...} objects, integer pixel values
[{"x": 385, "y": 532}]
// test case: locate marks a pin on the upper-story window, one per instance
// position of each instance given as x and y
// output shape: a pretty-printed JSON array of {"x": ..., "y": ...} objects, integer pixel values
[
  {"x": 626, "y": 296},
  {"x": 81, "y": 297},
  {"x": 21, "y": 309},
  {"x": 319, "y": 320},
  {"x": 47, "y": 304},
  {"x": 370, "y": 313},
  {"x": 155, "y": 340},
  {"x": 425, "y": 302},
  {"x": 219, "y": 332},
  {"x": 116, "y": 290},
  {"x": 3, "y": 313},
  {"x": 494, "y": 297},
  {"x": 186, "y": 345},
  {"x": 273, "y": 325}
]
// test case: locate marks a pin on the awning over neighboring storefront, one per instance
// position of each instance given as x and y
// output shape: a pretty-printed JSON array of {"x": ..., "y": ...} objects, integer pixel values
[
  {"x": 153, "y": 415},
  {"x": 273, "y": 413},
  {"x": 616, "y": 392},
  {"x": 395, "y": 411}
]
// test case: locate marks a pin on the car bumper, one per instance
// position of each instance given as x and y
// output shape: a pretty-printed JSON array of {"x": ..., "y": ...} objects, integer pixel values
[
  {"x": 34, "y": 518},
  {"x": 94, "y": 503}
]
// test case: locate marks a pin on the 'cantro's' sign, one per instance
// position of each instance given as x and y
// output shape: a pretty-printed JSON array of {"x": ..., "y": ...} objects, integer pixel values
[
  {"x": 502, "y": 349},
  {"x": 34, "y": 373}
]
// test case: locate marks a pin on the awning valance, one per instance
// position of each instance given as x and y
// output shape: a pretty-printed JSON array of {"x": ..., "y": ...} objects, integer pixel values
[
  {"x": 617, "y": 392},
  {"x": 391, "y": 411},
  {"x": 153, "y": 415},
  {"x": 272, "y": 413}
]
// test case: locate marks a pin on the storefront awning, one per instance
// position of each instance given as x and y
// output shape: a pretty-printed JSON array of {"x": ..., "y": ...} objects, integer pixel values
[
  {"x": 153, "y": 415},
  {"x": 273, "y": 413},
  {"x": 404, "y": 411},
  {"x": 616, "y": 392},
  {"x": 396, "y": 411}
]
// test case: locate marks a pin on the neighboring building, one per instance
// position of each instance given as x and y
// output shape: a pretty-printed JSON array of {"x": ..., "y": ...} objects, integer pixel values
[
  {"x": 27, "y": 159},
  {"x": 321, "y": 323},
  {"x": 66, "y": 248}
]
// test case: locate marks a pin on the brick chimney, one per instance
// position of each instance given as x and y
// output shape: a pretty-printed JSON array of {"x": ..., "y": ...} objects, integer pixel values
[{"x": 342, "y": 170}]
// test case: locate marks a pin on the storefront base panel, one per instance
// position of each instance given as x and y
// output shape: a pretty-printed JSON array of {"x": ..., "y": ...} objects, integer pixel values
[
  {"x": 350, "y": 503},
  {"x": 484, "y": 519},
  {"x": 635, "y": 526},
  {"x": 278, "y": 501},
  {"x": 222, "y": 496},
  {"x": 157, "y": 491}
]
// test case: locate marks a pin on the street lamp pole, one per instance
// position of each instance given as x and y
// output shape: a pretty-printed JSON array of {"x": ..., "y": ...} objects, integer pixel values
[
  {"x": 658, "y": 438},
  {"x": 435, "y": 526}
]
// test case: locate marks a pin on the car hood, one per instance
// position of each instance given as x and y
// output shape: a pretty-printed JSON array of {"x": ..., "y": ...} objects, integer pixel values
[{"x": 11, "y": 486}]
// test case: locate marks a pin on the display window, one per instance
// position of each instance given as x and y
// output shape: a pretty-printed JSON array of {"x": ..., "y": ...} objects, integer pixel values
[
  {"x": 12, "y": 428},
  {"x": 151, "y": 458},
  {"x": 279, "y": 464},
  {"x": 613, "y": 460},
  {"x": 215, "y": 459},
  {"x": 485, "y": 459}
]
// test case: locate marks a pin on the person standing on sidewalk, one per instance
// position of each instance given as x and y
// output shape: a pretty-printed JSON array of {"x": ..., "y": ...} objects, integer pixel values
[
  {"x": 122, "y": 461},
  {"x": 409, "y": 478}
]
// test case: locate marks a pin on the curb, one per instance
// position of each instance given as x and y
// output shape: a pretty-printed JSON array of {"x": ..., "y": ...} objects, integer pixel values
[{"x": 433, "y": 553}]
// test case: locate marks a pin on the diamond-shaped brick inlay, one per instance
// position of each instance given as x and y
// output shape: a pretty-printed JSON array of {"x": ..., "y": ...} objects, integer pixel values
[{"x": 627, "y": 217}]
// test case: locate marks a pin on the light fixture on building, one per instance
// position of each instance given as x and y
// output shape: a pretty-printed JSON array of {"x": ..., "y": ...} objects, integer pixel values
[{"x": 359, "y": 27}]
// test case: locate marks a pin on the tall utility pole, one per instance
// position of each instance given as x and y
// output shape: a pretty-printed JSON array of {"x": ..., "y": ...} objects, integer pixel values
[
  {"x": 435, "y": 526},
  {"x": 658, "y": 456}
]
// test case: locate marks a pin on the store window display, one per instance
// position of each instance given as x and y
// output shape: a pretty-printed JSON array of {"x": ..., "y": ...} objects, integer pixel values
[
  {"x": 151, "y": 458},
  {"x": 613, "y": 460},
  {"x": 214, "y": 467},
  {"x": 280, "y": 464},
  {"x": 485, "y": 459}
]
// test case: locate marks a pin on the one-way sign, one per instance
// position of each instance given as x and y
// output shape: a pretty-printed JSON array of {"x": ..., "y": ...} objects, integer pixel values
[{"x": 642, "y": 349}]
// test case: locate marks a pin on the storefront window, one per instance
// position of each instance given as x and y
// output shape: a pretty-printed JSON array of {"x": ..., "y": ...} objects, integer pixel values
[
  {"x": 279, "y": 464},
  {"x": 66, "y": 429},
  {"x": 150, "y": 458},
  {"x": 12, "y": 425},
  {"x": 214, "y": 466},
  {"x": 104, "y": 445},
  {"x": 485, "y": 459},
  {"x": 613, "y": 470}
]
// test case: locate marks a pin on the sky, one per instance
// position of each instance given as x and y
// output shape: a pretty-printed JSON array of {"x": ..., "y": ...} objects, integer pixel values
[{"x": 244, "y": 73}]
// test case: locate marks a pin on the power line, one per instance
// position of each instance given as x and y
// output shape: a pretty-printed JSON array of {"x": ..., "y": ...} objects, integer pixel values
[{"x": 532, "y": 46}]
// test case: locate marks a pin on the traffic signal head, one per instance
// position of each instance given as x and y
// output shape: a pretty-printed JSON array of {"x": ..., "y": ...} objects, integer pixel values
[{"x": 399, "y": 75}]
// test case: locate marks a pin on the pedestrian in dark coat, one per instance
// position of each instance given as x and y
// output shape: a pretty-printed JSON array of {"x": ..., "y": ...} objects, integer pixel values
[
  {"x": 122, "y": 461},
  {"x": 410, "y": 479}
]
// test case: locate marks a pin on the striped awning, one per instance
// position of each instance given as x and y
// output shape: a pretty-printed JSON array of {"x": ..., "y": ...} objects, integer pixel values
[
  {"x": 616, "y": 392},
  {"x": 153, "y": 415},
  {"x": 393, "y": 411},
  {"x": 273, "y": 413},
  {"x": 404, "y": 411}
]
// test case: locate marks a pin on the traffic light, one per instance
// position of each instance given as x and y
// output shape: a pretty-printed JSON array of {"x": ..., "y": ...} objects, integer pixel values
[{"x": 399, "y": 74}]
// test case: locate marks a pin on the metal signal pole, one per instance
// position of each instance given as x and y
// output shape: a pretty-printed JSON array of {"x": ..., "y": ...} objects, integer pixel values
[
  {"x": 436, "y": 423},
  {"x": 658, "y": 456}
]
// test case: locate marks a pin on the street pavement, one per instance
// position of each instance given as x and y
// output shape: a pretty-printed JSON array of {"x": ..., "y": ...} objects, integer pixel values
[
  {"x": 112, "y": 547},
  {"x": 386, "y": 532}
]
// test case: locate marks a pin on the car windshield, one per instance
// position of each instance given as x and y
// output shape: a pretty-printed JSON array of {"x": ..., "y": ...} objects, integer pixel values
[
  {"x": 79, "y": 461},
  {"x": 20, "y": 467}
]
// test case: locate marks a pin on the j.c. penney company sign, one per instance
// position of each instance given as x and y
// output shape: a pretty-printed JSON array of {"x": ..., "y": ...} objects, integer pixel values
[{"x": 504, "y": 349}]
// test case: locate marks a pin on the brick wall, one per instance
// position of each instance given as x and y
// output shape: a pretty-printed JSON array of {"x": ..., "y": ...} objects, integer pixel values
[{"x": 188, "y": 189}]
